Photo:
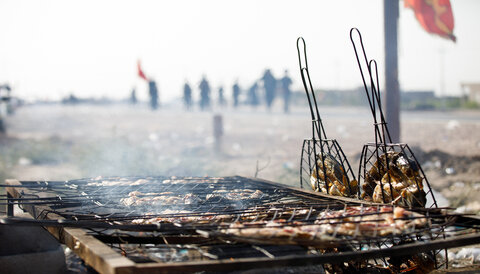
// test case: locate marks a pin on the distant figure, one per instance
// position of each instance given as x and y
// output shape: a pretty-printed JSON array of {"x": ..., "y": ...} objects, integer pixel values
[
  {"x": 270, "y": 84},
  {"x": 71, "y": 99},
  {"x": 285, "y": 83},
  {"x": 153, "y": 92},
  {"x": 4, "y": 105},
  {"x": 252, "y": 95},
  {"x": 221, "y": 97},
  {"x": 7, "y": 98},
  {"x": 187, "y": 96},
  {"x": 236, "y": 94},
  {"x": 133, "y": 96},
  {"x": 204, "y": 94}
]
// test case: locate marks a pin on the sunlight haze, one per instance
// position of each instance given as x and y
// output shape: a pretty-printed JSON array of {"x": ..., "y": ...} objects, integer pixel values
[{"x": 51, "y": 49}]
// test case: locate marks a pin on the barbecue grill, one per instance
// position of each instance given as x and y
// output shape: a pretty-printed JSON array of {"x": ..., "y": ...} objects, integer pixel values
[
  {"x": 231, "y": 223},
  {"x": 163, "y": 224}
]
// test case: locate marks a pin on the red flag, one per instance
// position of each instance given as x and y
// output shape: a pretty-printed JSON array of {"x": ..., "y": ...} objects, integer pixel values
[
  {"x": 140, "y": 71},
  {"x": 435, "y": 16}
]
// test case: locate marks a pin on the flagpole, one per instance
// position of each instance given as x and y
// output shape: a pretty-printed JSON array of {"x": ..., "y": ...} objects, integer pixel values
[
  {"x": 442, "y": 77},
  {"x": 391, "y": 99}
]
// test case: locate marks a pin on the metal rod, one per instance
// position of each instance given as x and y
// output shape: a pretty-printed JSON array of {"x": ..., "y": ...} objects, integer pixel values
[
  {"x": 370, "y": 100},
  {"x": 376, "y": 93},
  {"x": 9, "y": 206},
  {"x": 317, "y": 127}
]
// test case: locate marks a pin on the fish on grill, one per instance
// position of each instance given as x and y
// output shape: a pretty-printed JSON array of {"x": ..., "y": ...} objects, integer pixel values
[
  {"x": 181, "y": 217},
  {"x": 353, "y": 221},
  {"x": 368, "y": 221},
  {"x": 330, "y": 170},
  {"x": 137, "y": 198},
  {"x": 120, "y": 182},
  {"x": 234, "y": 194},
  {"x": 399, "y": 184}
]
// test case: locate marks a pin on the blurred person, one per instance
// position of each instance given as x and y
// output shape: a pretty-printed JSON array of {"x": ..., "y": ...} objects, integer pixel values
[
  {"x": 133, "y": 96},
  {"x": 285, "y": 83},
  {"x": 270, "y": 85},
  {"x": 221, "y": 97},
  {"x": 236, "y": 94},
  {"x": 4, "y": 105},
  {"x": 71, "y": 99},
  {"x": 204, "y": 94},
  {"x": 7, "y": 98},
  {"x": 252, "y": 95},
  {"x": 187, "y": 95},
  {"x": 153, "y": 92}
]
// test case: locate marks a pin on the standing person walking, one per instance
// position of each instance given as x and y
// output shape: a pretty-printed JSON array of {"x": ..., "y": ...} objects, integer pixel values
[
  {"x": 133, "y": 96},
  {"x": 153, "y": 92},
  {"x": 285, "y": 82},
  {"x": 187, "y": 95},
  {"x": 152, "y": 87},
  {"x": 221, "y": 97},
  {"x": 270, "y": 85},
  {"x": 252, "y": 95},
  {"x": 204, "y": 94},
  {"x": 236, "y": 94}
]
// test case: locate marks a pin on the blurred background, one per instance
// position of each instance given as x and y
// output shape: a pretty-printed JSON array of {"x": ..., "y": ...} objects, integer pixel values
[
  {"x": 51, "y": 49},
  {"x": 117, "y": 88}
]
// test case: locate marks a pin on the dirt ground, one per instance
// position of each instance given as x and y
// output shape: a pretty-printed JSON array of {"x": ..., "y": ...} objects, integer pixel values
[{"x": 62, "y": 142}]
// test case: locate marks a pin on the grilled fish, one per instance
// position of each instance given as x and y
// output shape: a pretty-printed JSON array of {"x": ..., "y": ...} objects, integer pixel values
[
  {"x": 400, "y": 184},
  {"x": 336, "y": 179}
]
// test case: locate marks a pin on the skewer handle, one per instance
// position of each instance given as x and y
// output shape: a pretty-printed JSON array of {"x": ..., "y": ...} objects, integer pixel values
[{"x": 307, "y": 84}]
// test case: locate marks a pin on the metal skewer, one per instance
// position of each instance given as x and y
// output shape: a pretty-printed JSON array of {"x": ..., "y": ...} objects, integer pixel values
[
  {"x": 383, "y": 146},
  {"x": 330, "y": 150}
]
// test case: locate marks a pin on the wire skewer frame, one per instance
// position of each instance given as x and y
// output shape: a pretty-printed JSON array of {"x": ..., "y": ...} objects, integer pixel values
[
  {"x": 320, "y": 156},
  {"x": 388, "y": 172}
]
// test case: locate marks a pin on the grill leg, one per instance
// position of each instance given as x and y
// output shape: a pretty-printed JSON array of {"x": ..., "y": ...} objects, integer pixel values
[{"x": 9, "y": 205}]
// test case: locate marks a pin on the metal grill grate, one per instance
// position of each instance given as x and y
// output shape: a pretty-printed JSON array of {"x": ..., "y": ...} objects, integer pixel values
[{"x": 242, "y": 220}]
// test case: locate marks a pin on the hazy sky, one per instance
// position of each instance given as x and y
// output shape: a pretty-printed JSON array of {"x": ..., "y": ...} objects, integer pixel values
[{"x": 49, "y": 49}]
